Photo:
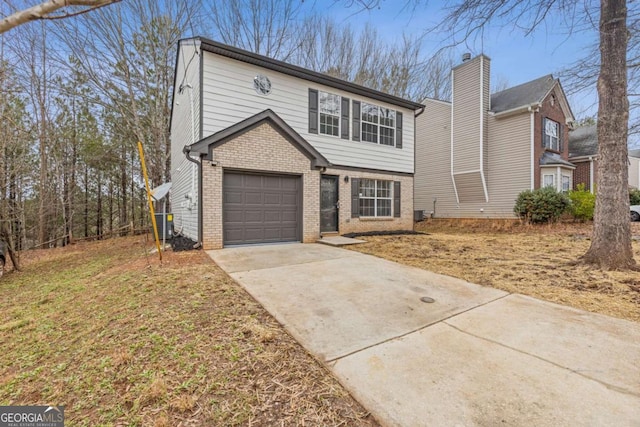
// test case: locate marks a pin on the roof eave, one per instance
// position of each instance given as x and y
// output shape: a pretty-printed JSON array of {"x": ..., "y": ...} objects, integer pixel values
[
  {"x": 517, "y": 110},
  {"x": 296, "y": 71}
]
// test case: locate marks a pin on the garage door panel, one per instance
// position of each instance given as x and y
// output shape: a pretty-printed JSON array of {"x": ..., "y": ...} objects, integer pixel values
[
  {"x": 233, "y": 180},
  {"x": 261, "y": 208},
  {"x": 272, "y": 198}
]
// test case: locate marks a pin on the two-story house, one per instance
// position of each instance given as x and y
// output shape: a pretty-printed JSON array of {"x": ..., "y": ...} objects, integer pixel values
[
  {"x": 264, "y": 151},
  {"x": 476, "y": 153}
]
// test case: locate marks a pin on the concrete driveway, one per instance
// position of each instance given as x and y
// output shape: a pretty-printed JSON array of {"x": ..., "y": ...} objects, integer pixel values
[{"x": 475, "y": 356}]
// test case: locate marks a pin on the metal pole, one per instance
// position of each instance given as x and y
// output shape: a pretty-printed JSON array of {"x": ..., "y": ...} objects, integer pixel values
[{"x": 146, "y": 184}]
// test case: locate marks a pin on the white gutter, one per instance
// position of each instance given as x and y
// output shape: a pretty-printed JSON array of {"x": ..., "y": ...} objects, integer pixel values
[
  {"x": 455, "y": 190},
  {"x": 532, "y": 148},
  {"x": 484, "y": 182},
  {"x": 516, "y": 110}
]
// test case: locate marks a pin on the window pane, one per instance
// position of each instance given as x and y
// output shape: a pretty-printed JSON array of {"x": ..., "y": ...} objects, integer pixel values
[
  {"x": 386, "y": 136},
  {"x": 369, "y": 113},
  {"x": 369, "y": 132},
  {"x": 329, "y": 125},
  {"x": 367, "y": 188},
  {"x": 566, "y": 182},
  {"x": 384, "y": 207},
  {"x": 387, "y": 117},
  {"x": 549, "y": 180},
  {"x": 384, "y": 189},
  {"x": 330, "y": 103},
  {"x": 367, "y": 207}
]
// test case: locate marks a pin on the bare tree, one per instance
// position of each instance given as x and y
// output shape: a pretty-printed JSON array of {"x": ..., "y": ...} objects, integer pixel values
[
  {"x": 611, "y": 241},
  {"x": 46, "y": 9}
]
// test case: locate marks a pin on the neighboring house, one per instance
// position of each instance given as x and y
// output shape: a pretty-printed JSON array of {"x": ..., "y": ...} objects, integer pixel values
[
  {"x": 263, "y": 151},
  {"x": 475, "y": 154},
  {"x": 583, "y": 152}
]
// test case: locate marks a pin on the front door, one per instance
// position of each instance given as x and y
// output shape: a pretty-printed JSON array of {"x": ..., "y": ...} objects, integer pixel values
[{"x": 328, "y": 204}]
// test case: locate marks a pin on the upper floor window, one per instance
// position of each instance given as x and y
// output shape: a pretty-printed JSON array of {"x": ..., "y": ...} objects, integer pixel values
[
  {"x": 329, "y": 113},
  {"x": 551, "y": 135},
  {"x": 378, "y": 124}
]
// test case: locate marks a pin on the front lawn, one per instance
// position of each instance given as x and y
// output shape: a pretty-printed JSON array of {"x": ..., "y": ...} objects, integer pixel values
[
  {"x": 530, "y": 260},
  {"x": 119, "y": 339}
]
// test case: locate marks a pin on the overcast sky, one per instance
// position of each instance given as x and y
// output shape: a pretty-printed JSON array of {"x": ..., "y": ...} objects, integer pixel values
[{"x": 515, "y": 58}]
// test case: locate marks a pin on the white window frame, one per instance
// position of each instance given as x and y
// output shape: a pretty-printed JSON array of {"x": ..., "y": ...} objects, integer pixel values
[
  {"x": 324, "y": 113},
  {"x": 375, "y": 198},
  {"x": 551, "y": 141},
  {"x": 553, "y": 180},
  {"x": 379, "y": 124},
  {"x": 568, "y": 182}
]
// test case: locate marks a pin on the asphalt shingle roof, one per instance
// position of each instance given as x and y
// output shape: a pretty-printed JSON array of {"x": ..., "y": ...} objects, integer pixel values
[
  {"x": 583, "y": 141},
  {"x": 551, "y": 159},
  {"x": 524, "y": 94}
]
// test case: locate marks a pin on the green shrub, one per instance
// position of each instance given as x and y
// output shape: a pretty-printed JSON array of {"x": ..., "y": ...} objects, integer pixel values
[
  {"x": 634, "y": 196},
  {"x": 541, "y": 205},
  {"x": 583, "y": 203}
]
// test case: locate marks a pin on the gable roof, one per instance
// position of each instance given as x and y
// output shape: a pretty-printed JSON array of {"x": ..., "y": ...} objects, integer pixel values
[
  {"x": 206, "y": 145},
  {"x": 583, "y": 141},
  {"x": 525, "y": 94},
  {"x": 303, "y": 73}
]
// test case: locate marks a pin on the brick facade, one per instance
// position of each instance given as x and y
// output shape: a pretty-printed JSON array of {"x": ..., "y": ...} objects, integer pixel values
[
  {"x": 264, "y": 149},
  {"x": 550, "y": 109}
]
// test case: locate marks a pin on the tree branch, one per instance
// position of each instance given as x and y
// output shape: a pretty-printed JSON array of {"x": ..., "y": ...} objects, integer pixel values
[{"x": 41, "y": 11}]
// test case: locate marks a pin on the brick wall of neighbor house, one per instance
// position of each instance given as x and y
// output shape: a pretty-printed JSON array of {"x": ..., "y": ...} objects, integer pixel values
[
  {"x": 353, "y": 225},
  {"x": 581, "y": 175},
  {"x": 553, "y": 112},
  {"x": 260, "y": 149}
]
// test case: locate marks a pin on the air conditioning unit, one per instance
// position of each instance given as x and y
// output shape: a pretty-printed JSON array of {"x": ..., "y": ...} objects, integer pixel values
[{"x": 418, "y": 215}]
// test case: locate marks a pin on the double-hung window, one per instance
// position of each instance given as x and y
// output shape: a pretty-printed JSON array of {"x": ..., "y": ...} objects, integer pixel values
[
  {"x": 375, "y": 198},
  {"x": 378, "y": 124},
  {"x": 329, "y": 114},
  {"x": 566, "y": 183},
  {"x": 551, "y": 135}
]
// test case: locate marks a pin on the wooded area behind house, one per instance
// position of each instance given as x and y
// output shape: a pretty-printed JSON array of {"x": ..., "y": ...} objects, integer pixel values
[{"x": 79, "y": 93}]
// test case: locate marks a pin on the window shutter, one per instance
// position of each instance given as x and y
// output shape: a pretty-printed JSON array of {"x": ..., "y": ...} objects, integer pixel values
[
  {"x": 396, "y": 199},
  {"x": 560, "y": 137},
  {"x": 344, "y": 118},
  {"x": 313, "y": 111},
  {"x": 355, "y": 198},
  {"x": 544, "y": 134},
  {"x": 356, "y": 121},
  {"x": 398, "y": 130}
]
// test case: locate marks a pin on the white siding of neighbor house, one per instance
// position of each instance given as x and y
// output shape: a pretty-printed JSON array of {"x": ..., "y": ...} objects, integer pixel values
[
  {"x": 229, "y": 97},
  {"x": 185, "y": 124},
  {"x": 508, "y": 165}
]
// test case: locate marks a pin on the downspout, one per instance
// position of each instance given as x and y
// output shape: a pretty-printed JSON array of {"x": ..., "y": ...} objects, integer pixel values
[
  {"x": 453, "y": 179},
  {"x": 591, "y": 170},
  {"x": 187, "y": 152}
]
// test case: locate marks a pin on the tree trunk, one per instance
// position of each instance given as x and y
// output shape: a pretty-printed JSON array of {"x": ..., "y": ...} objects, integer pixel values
[
  {"x": 611, "y": 241},
  {"x": 86, "y": 201}
]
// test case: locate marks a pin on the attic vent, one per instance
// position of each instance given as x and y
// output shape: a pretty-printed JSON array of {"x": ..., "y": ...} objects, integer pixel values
[{"x": 466, "y": 57}]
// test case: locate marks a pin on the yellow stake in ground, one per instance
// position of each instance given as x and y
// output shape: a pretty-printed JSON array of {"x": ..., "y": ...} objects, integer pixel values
[{"x": 146, "y": 184}]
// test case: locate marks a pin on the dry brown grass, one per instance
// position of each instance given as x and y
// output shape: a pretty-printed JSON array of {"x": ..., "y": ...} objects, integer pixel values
[
  {"x": 119, "y": 339},
  {"x": 531, "y": 260}
]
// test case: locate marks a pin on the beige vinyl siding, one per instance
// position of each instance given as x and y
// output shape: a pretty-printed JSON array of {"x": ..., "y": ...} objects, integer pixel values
[
  {"x": 185, "y": 125},
  {"x": 229, "y": 97},
  {"x": 634, "y": 172},
  {"x": 486, "y": 106},
  {"x": 432, "y": 181},
  {"x": 469, "y": 186},
  {"x": 466, "y": 117}
]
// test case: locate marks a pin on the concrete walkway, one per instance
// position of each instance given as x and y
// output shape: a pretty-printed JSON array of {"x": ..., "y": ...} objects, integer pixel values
[{"x": 475, "y": 356}]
